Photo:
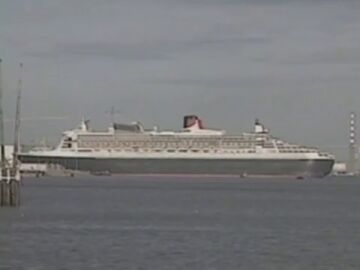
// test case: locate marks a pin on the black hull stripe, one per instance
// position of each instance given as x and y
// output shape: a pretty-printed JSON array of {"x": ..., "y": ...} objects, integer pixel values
[{"x": 270, "y": 167}]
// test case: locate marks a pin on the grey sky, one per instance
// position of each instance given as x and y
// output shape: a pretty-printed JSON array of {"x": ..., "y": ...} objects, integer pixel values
[{"x": 294, "y": 64}]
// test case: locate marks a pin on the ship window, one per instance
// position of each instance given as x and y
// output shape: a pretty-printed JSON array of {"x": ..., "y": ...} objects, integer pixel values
[
  {"x": 84, "y": 150},
  {"x": 171, "y": 150}
]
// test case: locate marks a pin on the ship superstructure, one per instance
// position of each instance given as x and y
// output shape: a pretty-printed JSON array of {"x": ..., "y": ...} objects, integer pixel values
[{"x": 130, "y": 148}]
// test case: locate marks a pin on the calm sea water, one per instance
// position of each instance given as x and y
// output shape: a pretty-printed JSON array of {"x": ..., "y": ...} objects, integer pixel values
[{"x": 183, "y": 223}]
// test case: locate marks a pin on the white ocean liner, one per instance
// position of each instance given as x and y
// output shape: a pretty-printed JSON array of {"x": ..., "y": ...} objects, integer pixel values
[{"x": 130, "y": 148}]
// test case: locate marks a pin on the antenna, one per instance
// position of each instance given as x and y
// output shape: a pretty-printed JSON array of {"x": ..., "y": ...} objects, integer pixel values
[
  {"x": 2, "y": 146},
  {"x": 112, "y": 113},
  {"x": 17, "y": 120}
]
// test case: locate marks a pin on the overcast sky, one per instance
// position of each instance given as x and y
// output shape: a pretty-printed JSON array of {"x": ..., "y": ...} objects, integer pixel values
[{"x": 294, "y": 64}]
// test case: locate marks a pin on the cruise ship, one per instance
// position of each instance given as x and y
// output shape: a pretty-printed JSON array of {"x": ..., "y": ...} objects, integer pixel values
[{"x": 132, "y": 149}]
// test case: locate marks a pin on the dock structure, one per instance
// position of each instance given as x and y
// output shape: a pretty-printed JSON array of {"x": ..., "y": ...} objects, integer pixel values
[{"x": 10, "y": 178}]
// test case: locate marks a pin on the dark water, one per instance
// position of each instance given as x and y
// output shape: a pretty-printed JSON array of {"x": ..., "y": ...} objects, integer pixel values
[{"x": 183, "y": 223}]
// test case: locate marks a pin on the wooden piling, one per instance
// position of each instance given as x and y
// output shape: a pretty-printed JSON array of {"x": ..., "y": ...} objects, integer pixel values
[
  {"x": 9, "y": 193},
  {"x": 14, "y": 193},
  {"x": 9, "y": 188}
]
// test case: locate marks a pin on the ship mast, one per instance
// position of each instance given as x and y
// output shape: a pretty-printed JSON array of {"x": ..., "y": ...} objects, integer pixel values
[
  {"x": 17, "y": 120},
  {"x": 2, "y": 143}
]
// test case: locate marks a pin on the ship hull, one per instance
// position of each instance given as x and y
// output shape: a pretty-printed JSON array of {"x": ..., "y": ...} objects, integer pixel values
[{"x": 243, "y": 167}]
